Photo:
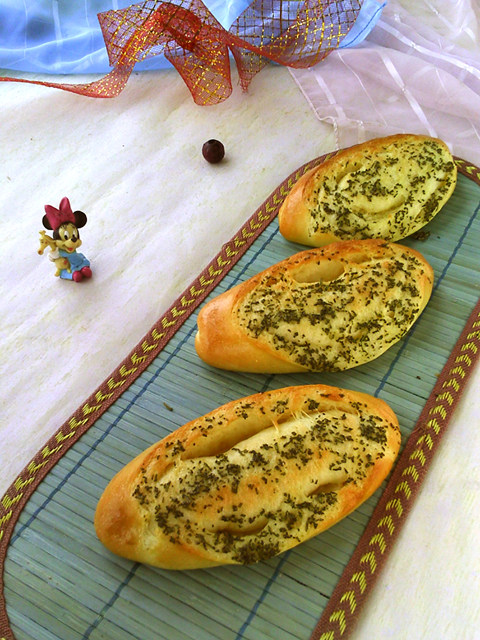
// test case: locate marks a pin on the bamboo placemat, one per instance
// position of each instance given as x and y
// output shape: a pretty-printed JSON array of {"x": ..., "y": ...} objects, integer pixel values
[{"x": 58, "y": 582}]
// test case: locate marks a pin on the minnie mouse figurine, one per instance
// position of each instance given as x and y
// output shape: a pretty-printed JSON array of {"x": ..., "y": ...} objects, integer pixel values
[{"x": 65, "y": 241}]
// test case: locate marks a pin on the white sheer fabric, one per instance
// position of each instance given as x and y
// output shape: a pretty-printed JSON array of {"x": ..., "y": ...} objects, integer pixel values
[{"x": 403, "y": 77}]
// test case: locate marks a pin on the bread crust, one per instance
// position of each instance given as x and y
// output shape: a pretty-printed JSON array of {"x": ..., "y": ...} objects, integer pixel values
[
  {"x": 384, "y": 188},
  {"x": 250, "y": 479},
  {"x": 329, "y": 308}
]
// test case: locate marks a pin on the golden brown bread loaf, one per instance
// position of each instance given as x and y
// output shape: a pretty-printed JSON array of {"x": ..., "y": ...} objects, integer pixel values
[
  {"x": 251, "y": 479},
  {"x": 330, "y": 308},
  {"x": 384, "y": 188}
]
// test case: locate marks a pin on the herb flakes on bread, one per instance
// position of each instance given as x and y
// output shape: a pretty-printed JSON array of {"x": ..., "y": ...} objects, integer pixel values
[
  {"x": 324, "y": 309},
  {"x": 385, "y": 188},
  {"x": 250, "y": 479}
]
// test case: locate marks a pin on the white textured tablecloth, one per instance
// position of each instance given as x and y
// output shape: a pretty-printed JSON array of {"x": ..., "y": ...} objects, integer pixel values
[{"x": 157, "y": 213}]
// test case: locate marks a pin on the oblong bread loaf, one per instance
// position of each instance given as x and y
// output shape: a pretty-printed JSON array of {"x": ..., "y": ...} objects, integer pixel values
[
  {"x": 251, "y": 479},
  {"x": 385, "y": 188},
  {"x": 325, "y": 309}
]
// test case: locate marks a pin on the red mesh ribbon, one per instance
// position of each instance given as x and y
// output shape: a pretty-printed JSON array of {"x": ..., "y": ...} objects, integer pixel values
[{"x": 293, "y": 33}]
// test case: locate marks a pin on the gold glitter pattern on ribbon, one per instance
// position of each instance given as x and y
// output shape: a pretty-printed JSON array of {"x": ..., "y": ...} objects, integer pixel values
[{"x": 292, "y": 33}]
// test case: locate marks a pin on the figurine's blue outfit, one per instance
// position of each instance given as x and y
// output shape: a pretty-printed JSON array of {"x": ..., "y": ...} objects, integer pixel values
[{"x": 77, "y": 262}]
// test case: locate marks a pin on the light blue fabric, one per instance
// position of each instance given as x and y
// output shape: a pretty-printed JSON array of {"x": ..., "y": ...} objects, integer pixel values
[
  {"x": 367, "y": 19},
  {"x": 64, "y": 37}
]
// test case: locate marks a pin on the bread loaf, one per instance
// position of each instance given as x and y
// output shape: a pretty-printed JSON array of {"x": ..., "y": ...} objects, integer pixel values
[
  {"x": 384, "y": 188},
  {"x": 329, "y": 308},
  {"x": 249, "y": 480}
]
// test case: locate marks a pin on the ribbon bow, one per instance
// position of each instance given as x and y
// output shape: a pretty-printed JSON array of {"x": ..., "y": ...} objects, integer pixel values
[
  {"x": 57, "y": 217},
  {"x": 292, "y": 33}
]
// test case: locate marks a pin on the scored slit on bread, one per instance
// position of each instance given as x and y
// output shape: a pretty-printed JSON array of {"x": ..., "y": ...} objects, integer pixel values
[
  {"x": 251, "y": 479},
  {"x": 325, "y": 309},
  {"x": 386, "y": 188}
]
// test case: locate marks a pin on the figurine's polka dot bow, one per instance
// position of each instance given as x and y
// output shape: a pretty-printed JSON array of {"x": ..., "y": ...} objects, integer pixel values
[{"x": 290, "y": 32}]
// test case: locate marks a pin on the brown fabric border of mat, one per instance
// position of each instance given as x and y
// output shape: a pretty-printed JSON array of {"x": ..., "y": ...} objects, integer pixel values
[{"x": 344, "y": 605}]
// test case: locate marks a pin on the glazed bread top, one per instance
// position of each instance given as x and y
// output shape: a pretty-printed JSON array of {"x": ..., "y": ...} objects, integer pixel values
[
  {"x": 330, "y": 308},
  {"x": 385, "y": 188},
  {"x": 251, "y": 479}
]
